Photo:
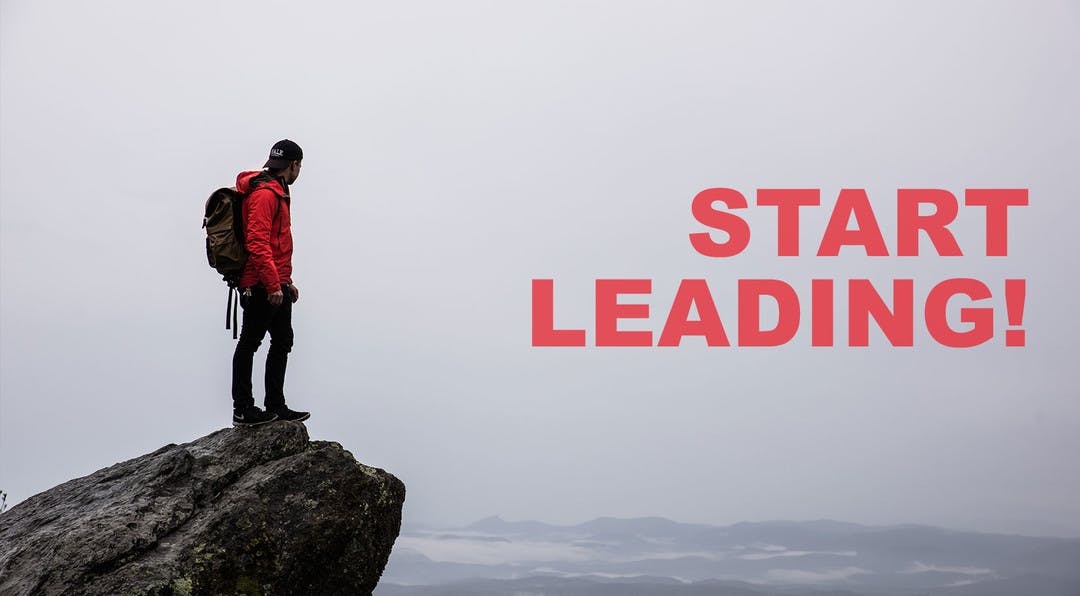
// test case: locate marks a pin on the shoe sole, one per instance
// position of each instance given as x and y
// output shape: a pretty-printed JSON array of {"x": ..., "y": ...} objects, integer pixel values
[
  {"x": 300, "y": 419},
  {"x": 236, "y": 423}
]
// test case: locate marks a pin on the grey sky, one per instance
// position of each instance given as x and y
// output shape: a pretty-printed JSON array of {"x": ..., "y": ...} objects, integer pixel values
[{"x": 453, "y": 153}]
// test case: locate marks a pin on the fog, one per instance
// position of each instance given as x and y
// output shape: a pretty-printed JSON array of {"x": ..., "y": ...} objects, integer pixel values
[{"x": 454, "y": 153}]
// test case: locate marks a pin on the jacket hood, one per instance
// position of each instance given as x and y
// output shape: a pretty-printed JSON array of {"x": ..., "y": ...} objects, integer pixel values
[{"x": 246, "y": 181}]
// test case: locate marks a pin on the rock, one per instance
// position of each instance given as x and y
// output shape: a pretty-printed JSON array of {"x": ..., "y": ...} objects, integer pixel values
[{"x": 240, "y": 511}]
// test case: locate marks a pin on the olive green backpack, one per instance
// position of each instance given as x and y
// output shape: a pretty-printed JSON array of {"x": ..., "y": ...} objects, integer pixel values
[{"x": 225, "y": 251}]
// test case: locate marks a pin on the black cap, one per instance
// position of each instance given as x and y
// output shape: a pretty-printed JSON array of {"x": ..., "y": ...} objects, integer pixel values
[{"x": 283, "y": 152}]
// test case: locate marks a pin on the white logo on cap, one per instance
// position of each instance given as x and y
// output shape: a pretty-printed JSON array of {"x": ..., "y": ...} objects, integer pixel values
[{"x": 277, "y": 153}]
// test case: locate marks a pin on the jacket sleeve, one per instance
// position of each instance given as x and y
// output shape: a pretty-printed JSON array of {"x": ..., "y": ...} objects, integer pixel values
[{"x": 258, "y": 228}]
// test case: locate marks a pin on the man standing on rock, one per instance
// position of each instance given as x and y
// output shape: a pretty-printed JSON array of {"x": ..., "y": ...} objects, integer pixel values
[{"x": 266, "y": 289}]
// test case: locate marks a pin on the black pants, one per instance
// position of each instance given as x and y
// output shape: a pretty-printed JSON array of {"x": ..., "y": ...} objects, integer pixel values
[{"x": 259, "y": 317}]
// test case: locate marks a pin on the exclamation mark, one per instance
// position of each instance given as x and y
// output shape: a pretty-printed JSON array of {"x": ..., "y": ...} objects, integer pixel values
[{"x": 1015, "y": 293}]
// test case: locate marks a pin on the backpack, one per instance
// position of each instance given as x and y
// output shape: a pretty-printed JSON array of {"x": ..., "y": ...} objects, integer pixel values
[{"x": 225, "y": 245}]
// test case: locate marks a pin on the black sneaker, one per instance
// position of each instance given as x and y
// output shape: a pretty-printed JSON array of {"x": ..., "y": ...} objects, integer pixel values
[
  {"x": 284, "y": 413},
  {"x": 252, "y": 416}
]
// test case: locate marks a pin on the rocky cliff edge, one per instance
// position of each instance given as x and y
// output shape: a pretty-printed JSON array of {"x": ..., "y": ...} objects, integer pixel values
[{"x": 240, "y": 511}]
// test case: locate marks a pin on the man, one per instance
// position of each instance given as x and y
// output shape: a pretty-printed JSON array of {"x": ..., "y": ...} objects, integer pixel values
[{"x": 266, "y": 289}]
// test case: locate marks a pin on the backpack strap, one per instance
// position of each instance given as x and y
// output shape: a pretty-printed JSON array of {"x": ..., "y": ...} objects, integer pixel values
[{"x": 232, "y": 307}]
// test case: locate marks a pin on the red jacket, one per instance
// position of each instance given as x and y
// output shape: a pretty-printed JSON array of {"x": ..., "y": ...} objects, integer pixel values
[{"x": 267, "y": 232}]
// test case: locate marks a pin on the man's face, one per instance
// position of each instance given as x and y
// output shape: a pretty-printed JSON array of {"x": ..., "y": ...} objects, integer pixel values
[{"x": 293, "y": 172}]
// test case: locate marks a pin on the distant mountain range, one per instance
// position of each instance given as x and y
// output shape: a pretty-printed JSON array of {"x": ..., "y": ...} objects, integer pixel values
[{"x": 657, "y": 556}]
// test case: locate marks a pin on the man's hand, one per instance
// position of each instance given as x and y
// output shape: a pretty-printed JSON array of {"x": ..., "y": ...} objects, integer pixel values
[
  {"x": 275, "y": 298},
  {"x": 295, "y": 291}
]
